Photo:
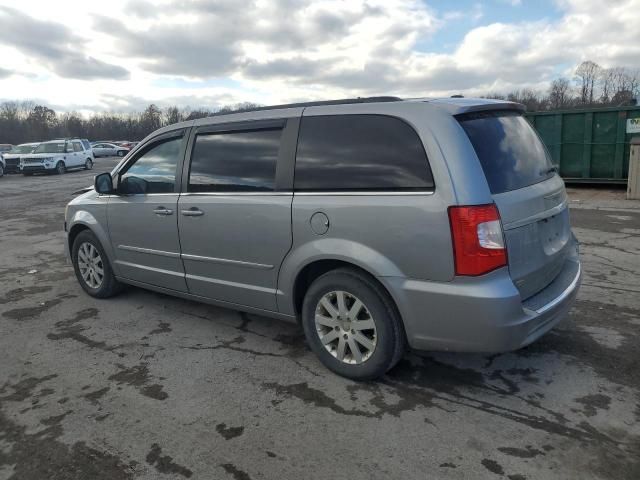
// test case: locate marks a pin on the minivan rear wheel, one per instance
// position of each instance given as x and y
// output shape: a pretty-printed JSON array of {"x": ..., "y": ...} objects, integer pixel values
[
  {"x": 352, "y": 325},
  {"x": 92, "y": 267}
]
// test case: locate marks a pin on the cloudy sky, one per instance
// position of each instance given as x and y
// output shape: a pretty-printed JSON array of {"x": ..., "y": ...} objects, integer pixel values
[{"x": 123, "y": 54}]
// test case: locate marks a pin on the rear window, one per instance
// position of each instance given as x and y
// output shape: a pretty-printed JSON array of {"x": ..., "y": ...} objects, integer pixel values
[
  {"x": 360, "y": 152},
  {"x": 510, "y": 151}
]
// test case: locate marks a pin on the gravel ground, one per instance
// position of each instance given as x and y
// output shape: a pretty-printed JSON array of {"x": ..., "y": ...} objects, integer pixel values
[{"x": 152, "y": 387}]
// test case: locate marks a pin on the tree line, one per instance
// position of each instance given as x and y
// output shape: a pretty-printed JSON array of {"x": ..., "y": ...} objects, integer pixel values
[
  {"x": 25, "y": 121},
  {"x": 591, "y": 86},
  {"x": 20, "y": 122}
]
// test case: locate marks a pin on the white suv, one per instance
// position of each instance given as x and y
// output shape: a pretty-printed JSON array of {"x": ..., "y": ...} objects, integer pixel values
[{"x": 57, "y": 156}]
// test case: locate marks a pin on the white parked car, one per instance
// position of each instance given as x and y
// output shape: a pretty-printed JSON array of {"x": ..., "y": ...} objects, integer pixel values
[
  {"x": 12, "y": 158},
  {"x": 109, "y": 150},
  {"x": 57, "y": 156}
]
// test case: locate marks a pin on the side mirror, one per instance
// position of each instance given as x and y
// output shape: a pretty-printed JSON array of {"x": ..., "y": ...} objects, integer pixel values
[{"x": 103, "y": 184}]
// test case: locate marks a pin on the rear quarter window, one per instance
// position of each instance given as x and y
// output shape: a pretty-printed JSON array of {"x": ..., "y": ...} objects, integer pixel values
[
  {"x": 360, "y": 153},
  {"x": 509, "y": 149}
]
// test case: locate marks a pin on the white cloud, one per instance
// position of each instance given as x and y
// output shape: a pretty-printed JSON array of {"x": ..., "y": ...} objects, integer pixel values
[{"x": 271, "y": 51}]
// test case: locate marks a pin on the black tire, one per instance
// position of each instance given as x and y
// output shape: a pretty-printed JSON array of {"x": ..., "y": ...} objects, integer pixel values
[
  {"x": 121, "y": 153},
  {"x": 391, "y": 341},
  {"x": 88, "y": 164},
  {"x": 1, "y": 170},
  {"x": 61, "y": 168},
  {"x": 109, "y": 286}
]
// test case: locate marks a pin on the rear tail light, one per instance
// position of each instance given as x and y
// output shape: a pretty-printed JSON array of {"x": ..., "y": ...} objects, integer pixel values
[{"x": 478, "y": 242}]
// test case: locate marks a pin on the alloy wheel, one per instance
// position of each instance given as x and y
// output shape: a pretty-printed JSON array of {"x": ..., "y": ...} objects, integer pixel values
[
  {"x": 345, "y": 327},
  {"x": 90, "y": 265}
]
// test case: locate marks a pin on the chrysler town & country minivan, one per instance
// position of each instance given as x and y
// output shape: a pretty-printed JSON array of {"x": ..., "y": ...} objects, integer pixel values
[{"x": 377, "y": 223}]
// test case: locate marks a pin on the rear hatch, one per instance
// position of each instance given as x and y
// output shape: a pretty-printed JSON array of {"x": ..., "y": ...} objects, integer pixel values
[{"x": 529, "y": 195}]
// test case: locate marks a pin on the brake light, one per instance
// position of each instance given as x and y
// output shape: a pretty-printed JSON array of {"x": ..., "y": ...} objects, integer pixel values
[{"x": 478, "y": 242}]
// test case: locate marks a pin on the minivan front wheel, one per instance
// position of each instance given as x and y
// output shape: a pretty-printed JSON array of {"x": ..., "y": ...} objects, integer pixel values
[
  {"x": 92, "y": 267},
  {"x": 88, "y": 165},
  {"x": 60, "y": 168},
  {"x": 351, "y": 325}
]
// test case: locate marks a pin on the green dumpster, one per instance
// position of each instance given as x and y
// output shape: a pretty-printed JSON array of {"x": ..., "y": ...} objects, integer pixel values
[{"x": 590, "y": 146}]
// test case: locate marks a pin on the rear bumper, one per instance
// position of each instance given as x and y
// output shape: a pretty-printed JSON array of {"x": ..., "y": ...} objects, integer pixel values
[{"x": 481, "y": 314}]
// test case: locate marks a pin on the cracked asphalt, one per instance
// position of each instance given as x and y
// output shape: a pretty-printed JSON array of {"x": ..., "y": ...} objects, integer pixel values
[{"x": 146, "y": 386}]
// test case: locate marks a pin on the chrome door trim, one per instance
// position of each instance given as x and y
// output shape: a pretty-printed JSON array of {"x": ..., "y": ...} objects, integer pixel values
[
  {"x": 232, "y": 284},
  {"x": 233, "y": 194},
  {"x": 150, "y": 251},
  {"x": 367, "y": 193},
  {"x": 226, "y": 261},
  {"x": 151, "y": 269}
]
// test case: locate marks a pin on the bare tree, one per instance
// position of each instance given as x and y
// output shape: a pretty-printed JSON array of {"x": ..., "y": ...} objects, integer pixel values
[
  {"x": 529, "y": 98},
  {"x": 559, "y": 93},
  {"x": 173, "y": 115},
  {"x": 587, "y": 75}
]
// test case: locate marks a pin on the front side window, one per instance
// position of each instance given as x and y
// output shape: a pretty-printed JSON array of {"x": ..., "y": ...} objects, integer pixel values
[
  {"x": 360, "y": 152},
  {"x": 77, "y": 147},
  {"x": 154, "y": 171},
  {"x": 235, "y": 162}
]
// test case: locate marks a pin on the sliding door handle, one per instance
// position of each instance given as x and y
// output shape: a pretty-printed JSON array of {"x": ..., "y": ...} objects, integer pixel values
[
  {"x": 163, "y": 211},
  {"x": 192, "y": 212}
]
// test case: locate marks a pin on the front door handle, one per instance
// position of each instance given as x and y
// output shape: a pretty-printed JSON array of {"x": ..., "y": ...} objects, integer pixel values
[
  {"x": 192, "y": 212},
  {"x": 163, "y": 211}
]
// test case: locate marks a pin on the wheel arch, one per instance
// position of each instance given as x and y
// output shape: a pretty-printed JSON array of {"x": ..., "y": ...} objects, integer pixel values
[
  {"x": 83, "y": 220},
  {"x": 318, "y": 267}
]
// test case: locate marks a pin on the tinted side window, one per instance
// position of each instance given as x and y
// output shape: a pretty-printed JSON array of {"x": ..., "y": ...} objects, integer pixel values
[
  {"x": 77, "y": 147},
  {"x": 237, "y": 161},
  {"x": 360, "y": 152},
  {"x": 154, "y": 171}
]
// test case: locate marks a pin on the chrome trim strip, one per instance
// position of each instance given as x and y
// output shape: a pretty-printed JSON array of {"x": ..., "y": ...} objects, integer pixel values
[
  {"x": 226, "y": 261},
  {"x": 150, "y": 251},
  {"x": 233, "y": 194},
  {"x": 537, "y": 217},
  {"x": 152, "y": 269},
  {"x": 231, "y": 284},
  {"x": 567, "y": 291},
  {"x": 368, "y": 193},
  {"x": 127, "y": 195}
]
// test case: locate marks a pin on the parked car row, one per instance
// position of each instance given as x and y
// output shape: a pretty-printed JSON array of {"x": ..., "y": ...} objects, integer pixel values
[{"x": 57, "y": 156}]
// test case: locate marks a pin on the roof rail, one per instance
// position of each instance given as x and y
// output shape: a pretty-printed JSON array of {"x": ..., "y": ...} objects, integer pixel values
[{"x": 344, "y": 101}]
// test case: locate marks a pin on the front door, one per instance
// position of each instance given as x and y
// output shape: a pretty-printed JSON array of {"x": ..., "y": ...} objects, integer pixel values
[
  {"x": 142, "y": 216},
  {"x": 234, "y": 223}
]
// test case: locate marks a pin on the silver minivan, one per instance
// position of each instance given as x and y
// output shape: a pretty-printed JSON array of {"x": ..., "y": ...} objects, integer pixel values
[{"x": 377, "y": 223}]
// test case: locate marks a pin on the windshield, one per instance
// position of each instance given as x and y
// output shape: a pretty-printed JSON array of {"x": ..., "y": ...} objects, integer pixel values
[
  {"x": 57, "y": 147},
  {"x": 510, "y": 151},
  {"x": 22, "y": 149}
]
